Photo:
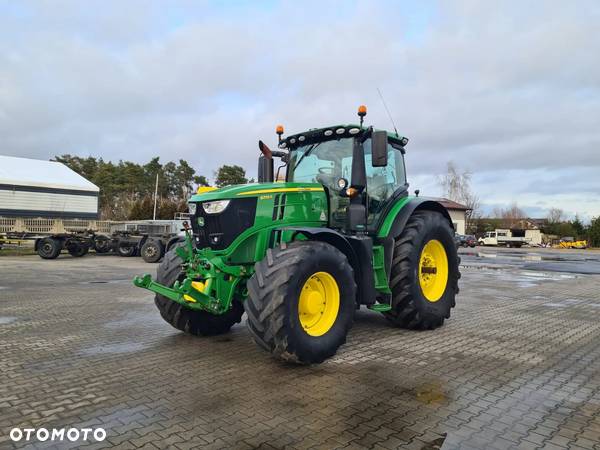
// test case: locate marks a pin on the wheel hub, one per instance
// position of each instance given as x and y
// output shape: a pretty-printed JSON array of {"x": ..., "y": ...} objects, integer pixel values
[
  {"x": 319, "y": 303},
  {"x": 433, "y": 270},
  {"x": 313, "y": 303}
]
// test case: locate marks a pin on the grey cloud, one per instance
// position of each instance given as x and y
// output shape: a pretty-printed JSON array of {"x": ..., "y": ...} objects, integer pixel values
[{"x": 495, "y": 88}]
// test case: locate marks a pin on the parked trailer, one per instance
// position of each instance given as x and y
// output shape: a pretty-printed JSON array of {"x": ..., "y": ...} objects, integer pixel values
[
  {"x": 150, "y": 239},
  {"x": 51, "y": 236},
  {"x": 150, "y": 247}
]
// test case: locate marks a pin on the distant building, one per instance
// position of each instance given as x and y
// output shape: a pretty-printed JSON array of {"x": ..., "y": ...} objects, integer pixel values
[
  {"x": 36, "y": 188},
  {"x": 458, "y": 214}
]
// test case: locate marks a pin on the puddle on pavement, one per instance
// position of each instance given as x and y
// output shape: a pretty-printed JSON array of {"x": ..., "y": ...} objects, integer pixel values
[
  {"x": 5, "y": 320},
  {"x": 565, "y": 303},
  {"x": 555, "y": 305},
  {"x": 533, "y": 261},
  {"x": 138, "y": 319},
  {"x": 530, "y": 256},
  {"x": 430, "y": 394},
  {"x": 113, "y": 349},
  {"x": 524, "y": 278}
]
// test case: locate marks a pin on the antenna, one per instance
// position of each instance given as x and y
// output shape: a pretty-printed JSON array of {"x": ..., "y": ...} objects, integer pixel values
[{"x": 387, "y": 110}]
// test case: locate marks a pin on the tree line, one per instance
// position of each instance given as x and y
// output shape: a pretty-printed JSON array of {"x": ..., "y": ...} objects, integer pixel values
[{"x": 127, "y": 188}]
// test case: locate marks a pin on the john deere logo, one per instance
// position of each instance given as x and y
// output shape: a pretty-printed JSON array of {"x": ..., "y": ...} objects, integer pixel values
[{"x": 200, "y": 221}]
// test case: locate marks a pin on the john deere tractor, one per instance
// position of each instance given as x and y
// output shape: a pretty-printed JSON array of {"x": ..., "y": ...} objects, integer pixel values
[{"x": 300, "y": 256}]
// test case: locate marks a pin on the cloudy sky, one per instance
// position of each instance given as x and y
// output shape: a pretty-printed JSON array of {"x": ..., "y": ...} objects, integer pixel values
[{"x": 507, "y": 90}]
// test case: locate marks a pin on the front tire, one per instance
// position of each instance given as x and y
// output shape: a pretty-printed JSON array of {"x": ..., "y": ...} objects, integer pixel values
[
  {"x": 424, "y": 275},
  {"x": 301, "y": 301},
  {"x": 198, "y": 323}
]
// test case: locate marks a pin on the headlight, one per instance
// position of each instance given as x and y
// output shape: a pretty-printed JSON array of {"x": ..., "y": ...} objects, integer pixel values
[
  {"x": 215, "y": 207},
  {"x": 342, "y": 183},
  {"x": 192, "y": 208}
]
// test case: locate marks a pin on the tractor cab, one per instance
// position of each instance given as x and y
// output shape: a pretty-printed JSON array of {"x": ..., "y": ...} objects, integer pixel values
[{"x": 361, "y": 169}]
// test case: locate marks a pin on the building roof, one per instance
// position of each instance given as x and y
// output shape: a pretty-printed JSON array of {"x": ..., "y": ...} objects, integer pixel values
[
  {"x": 450, "y": 204},
  {"x": 47, "y": 174}
]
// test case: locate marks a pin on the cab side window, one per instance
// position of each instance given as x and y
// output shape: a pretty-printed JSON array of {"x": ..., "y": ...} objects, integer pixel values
[{"x": 382, "y": 182}]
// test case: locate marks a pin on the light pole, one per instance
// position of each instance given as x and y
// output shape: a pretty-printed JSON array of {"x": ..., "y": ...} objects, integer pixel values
[{"x": 155, "y": 196}]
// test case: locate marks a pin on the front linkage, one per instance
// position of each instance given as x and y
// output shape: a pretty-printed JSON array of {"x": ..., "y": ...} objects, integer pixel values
[{"x": 209, "y": 283}]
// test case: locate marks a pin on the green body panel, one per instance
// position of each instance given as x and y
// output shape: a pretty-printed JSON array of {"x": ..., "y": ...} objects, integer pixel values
[
  {"x": 388, "y": 221},
  {"x": 304, "y": 205},
  {"x": 225, "y": 272}
]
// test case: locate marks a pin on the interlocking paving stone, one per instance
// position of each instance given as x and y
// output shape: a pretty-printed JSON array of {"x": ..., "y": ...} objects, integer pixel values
[{"x": 517, "y": 366}]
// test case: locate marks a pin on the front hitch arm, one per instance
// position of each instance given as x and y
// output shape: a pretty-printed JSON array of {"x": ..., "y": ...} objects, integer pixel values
[{"x": 183, "y": 293}]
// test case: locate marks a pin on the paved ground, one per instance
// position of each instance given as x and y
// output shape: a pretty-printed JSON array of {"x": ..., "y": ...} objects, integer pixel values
[{"x": 518, "y": 365}]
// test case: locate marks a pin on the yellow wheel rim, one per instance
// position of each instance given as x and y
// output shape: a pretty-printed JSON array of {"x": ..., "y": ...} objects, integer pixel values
[
  {"x": 433, "y": 270},
  {"x": 319, "y": 304}
]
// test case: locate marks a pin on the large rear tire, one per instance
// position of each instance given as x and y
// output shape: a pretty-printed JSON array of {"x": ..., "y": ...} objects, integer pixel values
[
  {"x": 301, "y": 301},
  {"x": 198, "y": 323},
  {"x": 424, "y": 275}
]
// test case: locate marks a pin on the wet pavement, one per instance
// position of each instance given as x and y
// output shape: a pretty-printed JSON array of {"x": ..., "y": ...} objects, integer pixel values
[
  {"x": 517, "y": 365},
  {"x": 538, "y": 259}
]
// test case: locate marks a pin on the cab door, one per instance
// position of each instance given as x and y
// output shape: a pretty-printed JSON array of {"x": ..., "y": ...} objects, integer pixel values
[{"x": 384, "y": 184}]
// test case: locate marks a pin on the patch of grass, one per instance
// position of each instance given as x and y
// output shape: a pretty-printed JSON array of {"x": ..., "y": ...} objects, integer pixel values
[{"x": 16, "y": 251}]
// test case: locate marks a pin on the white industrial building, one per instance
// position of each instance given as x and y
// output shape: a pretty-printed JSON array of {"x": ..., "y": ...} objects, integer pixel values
[
  {"x": 458, "y": 214},
  {"x": 36, "y": 188}
]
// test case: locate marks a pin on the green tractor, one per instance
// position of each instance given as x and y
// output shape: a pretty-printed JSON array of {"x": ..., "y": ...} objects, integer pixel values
[{"x": 300, "y": 256}]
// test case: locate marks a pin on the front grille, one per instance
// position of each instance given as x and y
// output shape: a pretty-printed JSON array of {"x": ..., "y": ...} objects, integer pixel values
[{"x": 218, "y": 231}]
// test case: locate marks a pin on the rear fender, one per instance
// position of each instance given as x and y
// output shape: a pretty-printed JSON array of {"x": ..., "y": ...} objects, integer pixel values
[{"x": 394, "y": 225}]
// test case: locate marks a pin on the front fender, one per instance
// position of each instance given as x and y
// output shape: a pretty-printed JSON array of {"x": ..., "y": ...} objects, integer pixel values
[
  {"x": 330, "y": 236},
  {"x": 340, "y": 242}
]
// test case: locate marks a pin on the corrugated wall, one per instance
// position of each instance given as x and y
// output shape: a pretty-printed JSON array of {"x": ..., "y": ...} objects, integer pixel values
[{"x": 19, "y": 203}]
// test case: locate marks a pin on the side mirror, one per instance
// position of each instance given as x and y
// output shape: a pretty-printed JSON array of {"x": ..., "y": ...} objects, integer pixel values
[
  {"x": 265, "y": 169},
  {"x": 379, "y": 149}
]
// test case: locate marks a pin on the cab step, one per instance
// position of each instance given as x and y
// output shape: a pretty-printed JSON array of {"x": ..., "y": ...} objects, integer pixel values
[{"x": 380, "y": 307}]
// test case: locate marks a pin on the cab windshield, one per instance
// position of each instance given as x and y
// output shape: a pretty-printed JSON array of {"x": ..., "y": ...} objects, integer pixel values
[
  {"x": 321, "y": 162},
  {"x": 326, "y": 162}
]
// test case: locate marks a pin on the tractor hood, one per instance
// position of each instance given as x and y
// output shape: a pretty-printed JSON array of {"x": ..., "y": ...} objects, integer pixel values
[{"x": 254, "y": 190}]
